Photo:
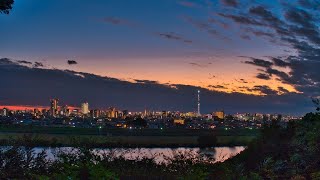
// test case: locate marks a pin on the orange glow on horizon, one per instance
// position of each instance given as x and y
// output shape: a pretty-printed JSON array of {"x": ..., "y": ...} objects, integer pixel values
[{"x": 29, "y": 107}]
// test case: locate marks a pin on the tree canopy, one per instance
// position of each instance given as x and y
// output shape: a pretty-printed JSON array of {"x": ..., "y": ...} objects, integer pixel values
[{"x": 6, "y": 6}]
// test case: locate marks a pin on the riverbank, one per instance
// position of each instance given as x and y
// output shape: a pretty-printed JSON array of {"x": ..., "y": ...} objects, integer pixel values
[
  {"x": 103, "y": 137},
  {"x": 61, "y": 140}
]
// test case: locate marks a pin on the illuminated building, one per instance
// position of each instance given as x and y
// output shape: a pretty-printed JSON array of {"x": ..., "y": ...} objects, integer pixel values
[
  {"x": 66, "y": 111},
  {"x": 112, "y": 113},
  {"x": 208, "y": 116},
  {"x": 4, "y": 112},
  {"x": 95, "y": 113},
  {"x": 54, "y": 107},
  {"x": 219, "y": 114},
  {"x": 44, "y": 112},
  {"x": 190, "y": 114},
  {"x": 76, "y": 112},
  {"x": 165, "y": 114},
  {"x": 36, "y": 112},
  {"x": 125, "y": 113},
  {"x": 85, "y": 108},
  {"x": 178, "y": 121}
]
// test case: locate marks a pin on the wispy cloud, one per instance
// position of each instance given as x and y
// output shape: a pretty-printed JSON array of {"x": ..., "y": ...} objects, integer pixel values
[
  {"x": 232, "y": 3},
  {"x": 189, "y": 4},
  {"x": 174, "y": 36},
  {"x": 72, "y": 62}
]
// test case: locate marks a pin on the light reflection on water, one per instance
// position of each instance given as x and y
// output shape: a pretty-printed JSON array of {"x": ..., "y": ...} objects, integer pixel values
[{"x": 160, "y": 155}]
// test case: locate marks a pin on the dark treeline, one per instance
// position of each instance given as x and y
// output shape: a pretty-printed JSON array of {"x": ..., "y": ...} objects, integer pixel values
[
  {"x": 279, "y": 153},
  {"x": 6, "y": 6}
]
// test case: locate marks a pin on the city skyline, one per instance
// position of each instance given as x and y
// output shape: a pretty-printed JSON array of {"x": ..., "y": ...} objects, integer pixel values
[
  {"x": 243, "y": 56},
  {"x": 85, "y": 108}
]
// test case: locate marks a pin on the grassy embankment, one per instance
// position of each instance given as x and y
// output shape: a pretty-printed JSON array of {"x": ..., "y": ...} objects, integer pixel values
[{"x": 65, "y": 136}]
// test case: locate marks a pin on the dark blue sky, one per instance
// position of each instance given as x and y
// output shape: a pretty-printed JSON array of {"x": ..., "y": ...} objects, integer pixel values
[{"x": 264, "y": 48}]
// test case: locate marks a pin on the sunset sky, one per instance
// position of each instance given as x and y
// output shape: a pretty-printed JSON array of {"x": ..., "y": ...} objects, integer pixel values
[{"x": 264, "y": 48}]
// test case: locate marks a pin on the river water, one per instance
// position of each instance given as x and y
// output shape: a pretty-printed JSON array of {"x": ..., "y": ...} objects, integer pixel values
[{"x": 160, "y": 155}]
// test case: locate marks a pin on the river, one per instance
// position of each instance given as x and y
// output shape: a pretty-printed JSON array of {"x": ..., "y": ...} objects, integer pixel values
[{"x": 160, "y": 155}]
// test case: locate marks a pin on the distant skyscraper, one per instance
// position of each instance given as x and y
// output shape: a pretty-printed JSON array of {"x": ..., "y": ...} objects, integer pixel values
[
  {"x": 95, "y": 113},
  {"x": 112, "y": 113},
  {"x": 4, "y": 112},
  {"x": 85, "y": 108},
  {"x": 54, "y": 107},
  {"x": 66, "y": 110}
]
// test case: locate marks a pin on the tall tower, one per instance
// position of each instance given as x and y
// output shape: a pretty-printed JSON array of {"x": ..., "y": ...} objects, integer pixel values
[{"x": 199, "y": 103}]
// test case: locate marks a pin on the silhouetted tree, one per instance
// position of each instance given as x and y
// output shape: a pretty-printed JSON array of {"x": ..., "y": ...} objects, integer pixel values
[
  {"x": 316, "y": 102},
  {"x": 6, "y": 6}
]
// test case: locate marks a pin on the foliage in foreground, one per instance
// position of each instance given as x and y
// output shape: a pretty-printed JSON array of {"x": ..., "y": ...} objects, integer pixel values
[
  {"x": 84, "y": 163},
  {"x": 280, "y": 153}
]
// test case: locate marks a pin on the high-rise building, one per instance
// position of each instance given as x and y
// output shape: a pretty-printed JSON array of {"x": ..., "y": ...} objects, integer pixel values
[
  {"x": 5, "y": 112},
  {"x": 85, "y": 108},
  {"x": 36, "y": 112},
  {"x": 125, "y": 112},
  {"x": 54, "y": 107},
  {"x": 112, "y": 113},
  {"x": 44, "y": 112},
  {"x": 95, "y": 113},
  {"x": 219, "y": 114},
  {"x": 66, "y": 110}
]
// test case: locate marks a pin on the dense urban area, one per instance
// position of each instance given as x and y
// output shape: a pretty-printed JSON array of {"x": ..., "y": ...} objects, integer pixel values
[{"x": 65, "y": 116}]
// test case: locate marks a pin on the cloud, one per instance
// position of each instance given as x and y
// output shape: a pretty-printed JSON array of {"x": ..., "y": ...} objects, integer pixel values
[
  {"x": 211, "y": 76},
  {"x": 263, "y": 76},
  {"x": 38, "y": 64},
  {"x": 259, "y": 62},
  {"x": 245, "y": 37},
  {"x": 72, "y": 62},
  {"x": 116, "y": 21},
  {"x": 242, "y": 81},
  {"x": 217, "y": 87},
  {"x": 102, "y": 92},
  {"x": 265, "y": 90},
  {"x": 279, "y": 62},
  {"x": 198, "y": 65},
  {"x": 146, "y": 81},
  {"x": 264, "y": 14},
  {"x": 283, "y": 90},
  {"x": 205, "y": 26},
  {"x": 165, "y": 35},
  {"x": 188, "y": 4},
  {"x": 310, "y": 4},
  {"x": 174, "y": 36},
  {"x": 218, "y": 22},
  {"x": 296, "y": 29},
  {"x": 300, "y": 17},
  {"x": 24, "y": 62},
  {"x": 241, "y": 19},
  {"x": 260, "y": 33},
  {"x": 232, "y": 3}
]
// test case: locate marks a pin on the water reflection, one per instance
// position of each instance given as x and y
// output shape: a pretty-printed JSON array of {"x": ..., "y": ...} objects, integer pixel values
[{"x": 160, "y": 155}]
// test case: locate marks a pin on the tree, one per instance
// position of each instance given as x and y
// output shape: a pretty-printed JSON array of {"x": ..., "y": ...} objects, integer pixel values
[
  {"x": 316, "y": 102},
  {"x": 6, "y": 6}
]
